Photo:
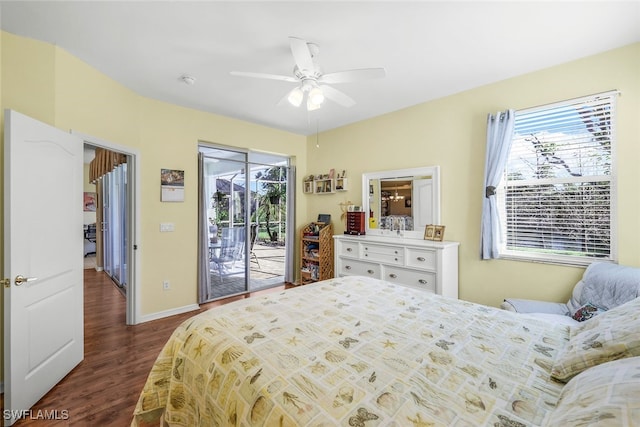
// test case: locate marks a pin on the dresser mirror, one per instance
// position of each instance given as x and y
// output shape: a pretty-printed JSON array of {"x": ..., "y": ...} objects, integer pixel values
[{"x": 400, "y": 203}]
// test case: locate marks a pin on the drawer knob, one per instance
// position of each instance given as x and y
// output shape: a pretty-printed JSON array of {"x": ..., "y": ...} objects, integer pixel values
[
  {"x": 395, "y": 252},
  {"x": 366, "y": 254},
  {"x": 347, "y": 267},
  {"x": 393, "y": 276},
  {"x": 349, "y": 249},
  {"x": 395, "y": 259},
  {"x": 420, "y": 258},
  {"x": 422, "y": 281},
  {"x": 370, "y": 271}
]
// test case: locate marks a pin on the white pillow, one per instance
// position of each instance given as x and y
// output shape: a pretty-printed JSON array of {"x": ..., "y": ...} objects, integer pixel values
[{"x": 607, "y": 395}]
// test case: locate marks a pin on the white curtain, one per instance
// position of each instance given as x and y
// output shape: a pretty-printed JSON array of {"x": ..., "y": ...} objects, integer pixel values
[
  {"x": 499, "y": 136},
  {"x": 204, "y": 278},
  {"x": 289, "y": 274}
]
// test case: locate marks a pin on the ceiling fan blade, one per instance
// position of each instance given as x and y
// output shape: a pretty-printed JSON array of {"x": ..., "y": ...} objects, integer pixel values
[
  {"x": 336, "y": 96},
  {"x": 352, "y": 75},
  {"x": 301, "y": 54},
  {"x": 265, "y": 76}
]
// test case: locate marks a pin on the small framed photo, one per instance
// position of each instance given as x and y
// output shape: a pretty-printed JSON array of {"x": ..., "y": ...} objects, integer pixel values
[
  {"x": 308, "y": 187},
  {"x": 90, "y": 202},
  {"x": 429, "y": 231},
  {"x": 438, "y": 233},
  {"x": 171, "y": 185}
]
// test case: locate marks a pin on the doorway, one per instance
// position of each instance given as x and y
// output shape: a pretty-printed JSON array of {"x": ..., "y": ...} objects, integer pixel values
[
  {"x": 116, "y": 219},
  {"x": 243, "y": 234}
]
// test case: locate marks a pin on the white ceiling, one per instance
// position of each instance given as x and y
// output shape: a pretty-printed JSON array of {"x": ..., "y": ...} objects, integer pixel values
[{"x": 429, "y": 49}]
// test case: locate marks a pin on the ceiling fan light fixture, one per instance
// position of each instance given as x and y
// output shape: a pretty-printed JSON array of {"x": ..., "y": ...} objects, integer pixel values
[
  {"x": 295, "y": 97},
  {"x": 316, "y": 97},
  {"x": 311, "y": 106}
]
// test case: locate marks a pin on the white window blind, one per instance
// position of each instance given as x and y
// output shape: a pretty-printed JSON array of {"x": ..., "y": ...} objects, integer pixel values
[{"x": 556, "y": 197}]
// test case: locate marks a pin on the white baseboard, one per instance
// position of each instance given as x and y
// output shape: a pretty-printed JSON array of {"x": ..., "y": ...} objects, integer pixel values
[{"x": 167, "y": 313}]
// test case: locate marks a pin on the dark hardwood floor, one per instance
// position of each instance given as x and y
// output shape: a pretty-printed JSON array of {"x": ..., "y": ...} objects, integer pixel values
[{"x": 103, "y": 389}]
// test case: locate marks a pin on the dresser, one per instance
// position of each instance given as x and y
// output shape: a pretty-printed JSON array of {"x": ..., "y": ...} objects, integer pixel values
[{"x": 423, "y": 264}]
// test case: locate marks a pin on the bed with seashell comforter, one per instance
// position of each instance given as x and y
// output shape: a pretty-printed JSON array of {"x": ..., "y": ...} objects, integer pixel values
[{"x": 355, "y": 351}]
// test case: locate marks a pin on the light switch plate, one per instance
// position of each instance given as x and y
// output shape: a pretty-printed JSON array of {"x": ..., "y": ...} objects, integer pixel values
[{"x": 166, "y": 227}]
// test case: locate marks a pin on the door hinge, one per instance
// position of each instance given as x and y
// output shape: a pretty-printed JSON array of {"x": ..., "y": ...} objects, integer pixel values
[{"x": 6, "y": 283}]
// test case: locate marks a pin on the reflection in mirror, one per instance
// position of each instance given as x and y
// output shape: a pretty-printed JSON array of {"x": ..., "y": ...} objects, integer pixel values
[{"x": 402, "y": 202}]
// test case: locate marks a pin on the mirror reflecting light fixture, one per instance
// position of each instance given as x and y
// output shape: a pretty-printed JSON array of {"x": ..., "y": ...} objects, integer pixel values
[{"x": 396, "y": 197}]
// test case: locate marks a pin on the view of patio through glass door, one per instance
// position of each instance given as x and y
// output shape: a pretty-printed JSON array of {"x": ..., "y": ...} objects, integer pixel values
[{"x": 245, "y": 216}]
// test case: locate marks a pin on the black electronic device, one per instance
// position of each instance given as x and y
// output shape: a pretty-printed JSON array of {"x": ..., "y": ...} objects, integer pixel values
[{"x": 325, "y": 218}]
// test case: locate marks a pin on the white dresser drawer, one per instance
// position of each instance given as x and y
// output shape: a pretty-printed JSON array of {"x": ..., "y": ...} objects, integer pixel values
[
  {"x": 420, "y": 264},
  {"x": 349, "y": 267},
  {"x": 421, "y": 258},
  {"x": 349, "y": 249},
  {"x": 416, "y": 279},
  {"x": 382, "y": 253}
]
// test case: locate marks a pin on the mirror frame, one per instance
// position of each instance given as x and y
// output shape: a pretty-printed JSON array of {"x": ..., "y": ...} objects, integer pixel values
[{"x": 409, "y": 174}]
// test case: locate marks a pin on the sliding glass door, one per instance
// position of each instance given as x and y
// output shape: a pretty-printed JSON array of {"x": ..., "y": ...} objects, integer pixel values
[
  {"x": 114, "y": 224},
  {"x": 242, "y": 222},
  {"x": 224, "y": 192}
]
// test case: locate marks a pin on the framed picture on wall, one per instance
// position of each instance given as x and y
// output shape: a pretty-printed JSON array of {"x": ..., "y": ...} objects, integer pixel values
[
  {"x": 172, "y": 185},
  {"x": 89, "y": 202}
]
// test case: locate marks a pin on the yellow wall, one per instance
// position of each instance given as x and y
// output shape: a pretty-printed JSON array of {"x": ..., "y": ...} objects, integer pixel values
[{"x": 450, "y": 132}]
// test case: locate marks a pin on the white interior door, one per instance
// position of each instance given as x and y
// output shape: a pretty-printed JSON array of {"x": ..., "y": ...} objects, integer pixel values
[{"x": 43, "y": 316}]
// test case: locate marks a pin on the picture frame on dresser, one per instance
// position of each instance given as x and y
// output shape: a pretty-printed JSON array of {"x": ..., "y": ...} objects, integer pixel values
[
  {"x": 438, "y": 233},
  {"x": 429, "y": 231}
]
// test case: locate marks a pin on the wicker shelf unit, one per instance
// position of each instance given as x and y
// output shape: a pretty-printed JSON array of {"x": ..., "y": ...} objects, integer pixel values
[{"x": 316, "y": 252}]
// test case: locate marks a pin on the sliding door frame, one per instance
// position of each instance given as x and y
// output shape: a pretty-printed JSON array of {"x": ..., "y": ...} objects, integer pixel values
[{"x": 249, "y": 164}]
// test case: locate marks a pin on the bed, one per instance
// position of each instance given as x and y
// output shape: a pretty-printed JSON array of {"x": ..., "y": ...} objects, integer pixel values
[{"x": 363, "y": 352}]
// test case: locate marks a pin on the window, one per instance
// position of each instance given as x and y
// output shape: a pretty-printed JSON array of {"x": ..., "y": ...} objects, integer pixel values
[{"x": 557, "y": 198}]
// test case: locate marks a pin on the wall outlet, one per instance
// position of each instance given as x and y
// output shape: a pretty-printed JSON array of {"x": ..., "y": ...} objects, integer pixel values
[{"x": 165, "y": 285}]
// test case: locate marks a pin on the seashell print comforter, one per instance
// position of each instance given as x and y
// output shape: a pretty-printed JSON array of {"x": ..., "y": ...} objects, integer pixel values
[{"x": 354, "y": 351}]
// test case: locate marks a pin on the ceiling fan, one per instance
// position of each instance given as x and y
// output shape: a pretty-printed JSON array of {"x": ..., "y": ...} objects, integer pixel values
[{"x": 313, "y": 84}]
